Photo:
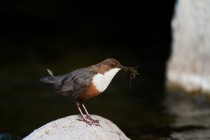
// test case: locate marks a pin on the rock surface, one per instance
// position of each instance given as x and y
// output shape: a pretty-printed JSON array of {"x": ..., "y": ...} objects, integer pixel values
[
  {"x": 70, "y": 128},
  {"x": 189, "y": 65}
]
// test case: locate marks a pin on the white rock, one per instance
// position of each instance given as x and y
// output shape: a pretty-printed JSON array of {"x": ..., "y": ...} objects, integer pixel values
[
  {"x": 69, "y": 128},
  {"x": 189, "y": 64}
]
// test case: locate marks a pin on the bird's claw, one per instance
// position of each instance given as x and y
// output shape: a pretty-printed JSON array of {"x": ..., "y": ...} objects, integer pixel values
[
  {"x": 88, "y": 120},
  {"x": 91, "y": 119}
]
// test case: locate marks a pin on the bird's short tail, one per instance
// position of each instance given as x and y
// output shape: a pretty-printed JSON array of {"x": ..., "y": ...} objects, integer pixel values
[{"x": 49, "y": 79}]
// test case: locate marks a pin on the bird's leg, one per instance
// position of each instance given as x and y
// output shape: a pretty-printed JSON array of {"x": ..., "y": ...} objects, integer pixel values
[
  {"x": 78, "y": 107},
  {"x": 88, "y": 115},
  {"x": 82, "y": 117},
  {"x": 85, "y": 109}
]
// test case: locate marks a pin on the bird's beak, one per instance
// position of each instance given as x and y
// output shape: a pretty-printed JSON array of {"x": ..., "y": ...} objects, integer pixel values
[{"x": 124, "y": 68}]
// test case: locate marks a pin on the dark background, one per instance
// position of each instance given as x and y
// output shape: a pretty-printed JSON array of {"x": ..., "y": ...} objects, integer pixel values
[{"x": 66, "y": 35}]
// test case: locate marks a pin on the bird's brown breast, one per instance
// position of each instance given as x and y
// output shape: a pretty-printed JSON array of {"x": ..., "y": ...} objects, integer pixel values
[{"x": 89, "y": 93}]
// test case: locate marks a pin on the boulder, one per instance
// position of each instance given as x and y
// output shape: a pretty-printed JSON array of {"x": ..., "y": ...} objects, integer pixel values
[
  {"x": 70, "y": 128},
  {"x": 188, "y": 68}
]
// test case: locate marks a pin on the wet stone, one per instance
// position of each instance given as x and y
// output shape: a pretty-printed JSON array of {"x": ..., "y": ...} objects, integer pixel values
[{"x": 71, "y": 128}]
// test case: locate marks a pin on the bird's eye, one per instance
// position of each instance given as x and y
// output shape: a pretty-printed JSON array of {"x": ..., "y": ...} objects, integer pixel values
[{"x": 113, "y": 65}]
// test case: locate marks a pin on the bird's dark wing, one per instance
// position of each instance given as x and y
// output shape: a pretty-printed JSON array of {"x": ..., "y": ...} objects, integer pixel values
[{"x": 75, "y": 83}]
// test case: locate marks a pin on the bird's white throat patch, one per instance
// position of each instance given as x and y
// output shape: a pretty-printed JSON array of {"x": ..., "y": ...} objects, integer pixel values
[{"x": 101, "y": 81}]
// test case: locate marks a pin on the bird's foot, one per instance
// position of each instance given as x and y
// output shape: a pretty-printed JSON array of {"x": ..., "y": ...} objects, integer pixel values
[
  {"x": 88, "y": 120},
  {"x": 91, "y": 119},
  {"x": 85, "y": 120}
]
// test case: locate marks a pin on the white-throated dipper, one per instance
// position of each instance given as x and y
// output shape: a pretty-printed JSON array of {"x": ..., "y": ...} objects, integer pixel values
[{"x": 85, "y": 83}]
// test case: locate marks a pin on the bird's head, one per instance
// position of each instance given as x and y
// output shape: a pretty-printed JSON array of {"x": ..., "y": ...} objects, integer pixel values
[{"x": 110, "y": 64}]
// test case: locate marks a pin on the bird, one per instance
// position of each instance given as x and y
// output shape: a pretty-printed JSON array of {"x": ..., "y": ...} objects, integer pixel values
[{"x": 85, "y": 83}]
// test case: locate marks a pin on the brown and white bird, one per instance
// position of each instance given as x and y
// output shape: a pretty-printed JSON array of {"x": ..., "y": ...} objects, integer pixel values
[{"x": 85, "y": 83}]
